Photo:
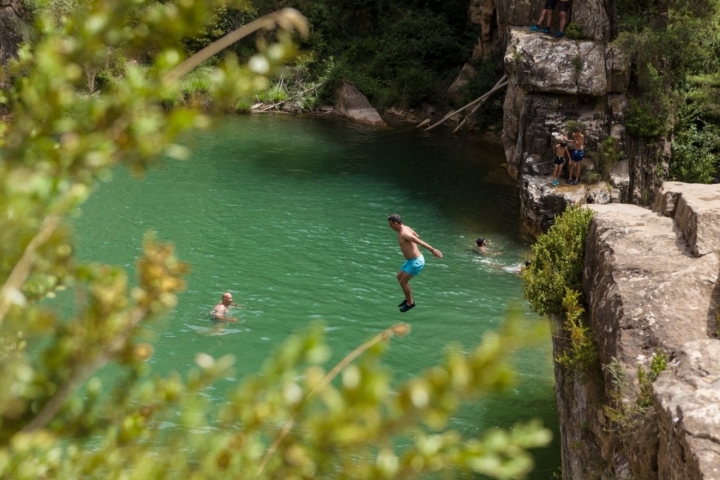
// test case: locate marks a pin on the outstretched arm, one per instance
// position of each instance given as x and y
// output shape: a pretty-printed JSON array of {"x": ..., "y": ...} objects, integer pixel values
[{"x": 416, "y": 239}]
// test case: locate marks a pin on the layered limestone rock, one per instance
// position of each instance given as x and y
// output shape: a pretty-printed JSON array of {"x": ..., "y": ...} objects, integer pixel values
[
  {"x": 696, "y": 209},
  {"x": 590, "y": 15},
  {"x": 687, "y": 397},
  {"x": 556, "y": 83},
  {"x": 354, "y": 105},
  {"x": 541, "y": 63},
  {"x": 651, "y": 285}
]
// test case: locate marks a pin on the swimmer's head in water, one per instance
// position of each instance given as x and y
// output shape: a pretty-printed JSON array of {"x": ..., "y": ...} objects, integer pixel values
[
  {"x": 480, "y": 242},
  {"x": 395, "y": 218}
]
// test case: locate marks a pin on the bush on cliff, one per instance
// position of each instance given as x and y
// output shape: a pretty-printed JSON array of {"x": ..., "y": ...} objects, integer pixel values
[
  {"x": 580, "y": 353},
  {"x": 557, "y": 264}
]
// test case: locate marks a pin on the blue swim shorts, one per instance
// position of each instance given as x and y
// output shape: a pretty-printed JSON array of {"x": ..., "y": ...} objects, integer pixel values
[
  {"x": 414, "y": 265},
  {"x": 577, "y": 155}
]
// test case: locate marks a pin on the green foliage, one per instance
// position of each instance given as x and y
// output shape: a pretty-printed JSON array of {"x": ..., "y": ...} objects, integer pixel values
[
  {"x": 592, "y": 176},
  {"x": 243, "y": 106},
  {"x": 703, "y": 92},
  {"x": 338, "y": 71},
  {"x": 291, "y": 420},
  {"x": 558, "y": 262},
  {"x": 647, "y": 116},
  {"x": 673, "y": 47},
  {"x": 573, "y": 124},
  {"x": 695, "y": 147},
  {"x": 575, "y": 32},
  {"x": 399, "y": 52},
  {"x": 658, "y": 363},
  {"x": 576, "y": 63},
  {"x": 407, "y": 54},
  {"x": 633, "y": 15},
  {"x": 609, "y": 155},
  {"x": 629, "y": 418},
  {"x": 648, "y": 112},
  {"x": 695, "y": 156},
  {"x": 625, "y": 419},
  {"x": 276, "y": 93},
  {"x": 581, "y": 356}
]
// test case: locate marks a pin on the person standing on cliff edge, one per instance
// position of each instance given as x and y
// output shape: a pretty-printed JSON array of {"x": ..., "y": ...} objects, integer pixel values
[
  {"x": 546, "y": 16},
  {"x": 576, "y": 155},
  {"x": 562, "y": 156},
  {"x": 409, "y": 240}
]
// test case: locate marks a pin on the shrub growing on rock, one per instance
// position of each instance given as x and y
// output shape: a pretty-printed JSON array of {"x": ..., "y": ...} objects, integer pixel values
[{"x": 558, "y": 262}]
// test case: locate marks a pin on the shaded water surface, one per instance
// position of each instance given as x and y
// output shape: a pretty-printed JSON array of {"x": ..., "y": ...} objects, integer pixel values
[{"x": 289, "y": 215}]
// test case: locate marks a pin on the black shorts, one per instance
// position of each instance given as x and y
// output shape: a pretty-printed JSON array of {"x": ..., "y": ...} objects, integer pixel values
[
  {"x": 550, "y": 4},
  {"x": 564, "y": 6},
  {"x": 559, "y": 160}
]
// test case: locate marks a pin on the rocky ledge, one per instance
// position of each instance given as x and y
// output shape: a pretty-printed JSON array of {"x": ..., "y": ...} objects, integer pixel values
[
  {"x": 555, "y": 83},
  {"x": 651, "y": 284}
]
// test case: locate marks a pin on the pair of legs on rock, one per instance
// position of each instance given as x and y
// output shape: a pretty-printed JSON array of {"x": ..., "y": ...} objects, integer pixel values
[
  {"x": 576, "y": 157},
  {"x": 546, "y": 16},
  {"x": 557, "y": 171}
]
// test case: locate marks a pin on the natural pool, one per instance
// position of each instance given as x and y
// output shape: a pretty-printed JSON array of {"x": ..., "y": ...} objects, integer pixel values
[{"x": 289, "y": 215}]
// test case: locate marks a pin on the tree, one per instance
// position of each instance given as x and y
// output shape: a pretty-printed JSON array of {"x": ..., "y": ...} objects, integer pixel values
[
  {"x": 60, "y": 141},
  {"x": 673, "y": 47}
]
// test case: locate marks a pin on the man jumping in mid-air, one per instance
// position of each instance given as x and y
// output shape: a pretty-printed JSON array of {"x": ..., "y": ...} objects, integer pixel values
[{"x": 409, "y": 241}]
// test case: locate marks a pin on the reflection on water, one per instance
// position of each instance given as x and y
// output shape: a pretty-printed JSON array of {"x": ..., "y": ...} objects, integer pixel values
[
  {"x": 290, "y": 216},
  {"x": 217, "y": 327}
]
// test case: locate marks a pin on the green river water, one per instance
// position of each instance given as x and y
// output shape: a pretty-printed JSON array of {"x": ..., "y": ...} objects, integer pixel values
[{"x": 290, "y": 216}]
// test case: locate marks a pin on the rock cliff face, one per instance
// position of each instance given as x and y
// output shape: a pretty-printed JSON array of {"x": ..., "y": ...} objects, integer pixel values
[
  {"x": 650, "y": 277},
  {"x": 556, "y": 83},
  {"x": 651, "y": 284}
]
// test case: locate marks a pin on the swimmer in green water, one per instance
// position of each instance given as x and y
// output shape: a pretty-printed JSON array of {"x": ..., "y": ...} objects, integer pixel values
[{"x": 221, "y": 311}]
